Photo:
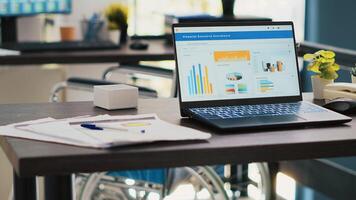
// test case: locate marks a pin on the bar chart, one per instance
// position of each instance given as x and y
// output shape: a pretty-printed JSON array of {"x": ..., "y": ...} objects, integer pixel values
[
  {"x": 266, "y": 85},
  {"x": 198, "y": 81}
]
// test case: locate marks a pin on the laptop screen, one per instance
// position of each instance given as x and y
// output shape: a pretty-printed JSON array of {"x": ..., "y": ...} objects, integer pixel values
[{"x": 236, "y": 62}]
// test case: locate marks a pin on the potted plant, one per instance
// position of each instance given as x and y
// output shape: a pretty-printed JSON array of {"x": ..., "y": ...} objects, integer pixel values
[
  {"x": 323, "y": 64},
  {"x": 353, "y": 74},
  {"x": 116, "y": 15}
]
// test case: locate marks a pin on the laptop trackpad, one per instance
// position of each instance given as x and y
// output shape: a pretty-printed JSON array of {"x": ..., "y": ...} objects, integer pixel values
[
  {"x": 279, "y": 119},
  {"x": 262, "y": 120}
]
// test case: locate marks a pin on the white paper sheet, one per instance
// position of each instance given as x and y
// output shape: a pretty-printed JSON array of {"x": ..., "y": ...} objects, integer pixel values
[
  {"x": 141, "y": 129},
  {"x": 7, "y": 52}
]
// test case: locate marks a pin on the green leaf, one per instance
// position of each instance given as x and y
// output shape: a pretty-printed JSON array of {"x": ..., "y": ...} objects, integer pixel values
[
  {"x": 309, "y": 56},
  {"x": 329, "y": 75},
  {"x": 319, "y": 52},
  {"x": 335, "y": 67},
  {"x": 323, "y": 63},
  {"x": 331, "y": 60},
  {"x": 326, "y": 60},
  {"x": 323, "y": 66},
  {"x": 314, "y": 67},
  {"x": 327, "y": 54},
  {"x": 353, "y": 71}
]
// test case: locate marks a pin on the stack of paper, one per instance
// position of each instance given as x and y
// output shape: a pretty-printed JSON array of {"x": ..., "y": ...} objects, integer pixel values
[
  {"x": 102, "y": 131},
  {"x": 7, "y": 52}
]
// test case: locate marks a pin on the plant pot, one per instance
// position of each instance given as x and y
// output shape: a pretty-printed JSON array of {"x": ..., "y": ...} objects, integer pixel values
[
  {"x": 353, "y": 78},
  {"x": 67, "y": 33},
  {"x": 318, "y": 85},
  {"x": 114, "y": 36}
]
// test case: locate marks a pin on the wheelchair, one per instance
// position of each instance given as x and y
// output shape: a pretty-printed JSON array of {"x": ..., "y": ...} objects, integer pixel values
[{"x": 198, "y": 182}]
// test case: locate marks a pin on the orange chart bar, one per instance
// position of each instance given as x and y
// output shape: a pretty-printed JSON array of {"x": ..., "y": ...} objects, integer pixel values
[
  {"x": 207, "y": 84},
  {"x": 223, "y": 56}
]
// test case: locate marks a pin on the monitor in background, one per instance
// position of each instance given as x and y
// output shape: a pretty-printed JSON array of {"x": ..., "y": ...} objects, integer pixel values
[
  {"x": 228, "y": 7},
  {"x": 10, "y": 10}
]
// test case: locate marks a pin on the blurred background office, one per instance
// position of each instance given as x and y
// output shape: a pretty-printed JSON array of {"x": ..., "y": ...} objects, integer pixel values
[
  {"x": 324, "y": 21},
  {"x": 144, "y": 18}
]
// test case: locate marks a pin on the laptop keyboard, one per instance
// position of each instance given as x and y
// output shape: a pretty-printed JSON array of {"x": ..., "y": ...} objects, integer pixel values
[{"x": 228, "y": 112}]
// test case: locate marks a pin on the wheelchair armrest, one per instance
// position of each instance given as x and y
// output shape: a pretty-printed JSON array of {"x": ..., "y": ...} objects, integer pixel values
[
  {"x": 87, "y": 82},
  {"x": 149, "y": 70}
]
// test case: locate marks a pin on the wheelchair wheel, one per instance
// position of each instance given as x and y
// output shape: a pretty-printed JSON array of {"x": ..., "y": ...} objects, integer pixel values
[{"x": 198, "y": 183}]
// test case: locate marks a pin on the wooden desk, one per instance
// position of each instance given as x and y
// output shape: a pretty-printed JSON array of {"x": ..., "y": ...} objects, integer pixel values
[
  {"x": 157, "y": 50},
  {"x": 33, "y": 158}
]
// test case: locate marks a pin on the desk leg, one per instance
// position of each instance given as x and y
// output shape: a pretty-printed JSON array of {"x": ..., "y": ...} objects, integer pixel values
[
  {"x": 25, "y": 188},
  {"x": 59, "y": 187},
  {"x": 273, "y": 170}
]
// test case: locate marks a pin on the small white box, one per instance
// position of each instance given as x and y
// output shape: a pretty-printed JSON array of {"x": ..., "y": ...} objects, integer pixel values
[{"x": 118, "y": 96}]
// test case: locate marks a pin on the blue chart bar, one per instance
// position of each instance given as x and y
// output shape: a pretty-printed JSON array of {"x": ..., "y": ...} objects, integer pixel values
[
  {"x": 190, "y": 85},
  {"x": 192, "y": 78},
  {"x": 191, "y": 82},
  {"x": 201, "y": 80},
  {"x": 195, "y": 81},
  {"x": 266, "y": 82}
]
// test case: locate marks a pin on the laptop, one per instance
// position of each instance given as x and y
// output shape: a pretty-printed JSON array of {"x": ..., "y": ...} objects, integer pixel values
[{"x": 235, "y": 76}]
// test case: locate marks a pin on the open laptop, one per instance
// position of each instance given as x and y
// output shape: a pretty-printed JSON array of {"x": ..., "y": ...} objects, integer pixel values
[{"x": 243, "y": 76}]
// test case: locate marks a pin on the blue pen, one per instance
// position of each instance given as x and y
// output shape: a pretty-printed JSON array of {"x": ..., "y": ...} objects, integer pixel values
[
  {"x": 102, "y": 127},
  {"x": 91, "y": 127}
]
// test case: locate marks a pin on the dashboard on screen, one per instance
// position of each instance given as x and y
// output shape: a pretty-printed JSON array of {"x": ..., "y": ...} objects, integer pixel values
[{"x": 236, "y": 62}]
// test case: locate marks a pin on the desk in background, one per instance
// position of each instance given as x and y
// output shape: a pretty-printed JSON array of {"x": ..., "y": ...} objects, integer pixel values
[
  {"x": 33, "y": 158},
  {"x": 157, "y": 50}
]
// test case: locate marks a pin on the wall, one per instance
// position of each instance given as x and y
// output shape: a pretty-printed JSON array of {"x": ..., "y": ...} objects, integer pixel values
[
  {"x": 30, "y": 84},
  {"x": 85, "y": 9},
  {"x": 329, "y": 22},
  {"x": 278, "y": 10},
  {"x": 80, "y": 9},
  {"x": 332, "y": 22}
]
